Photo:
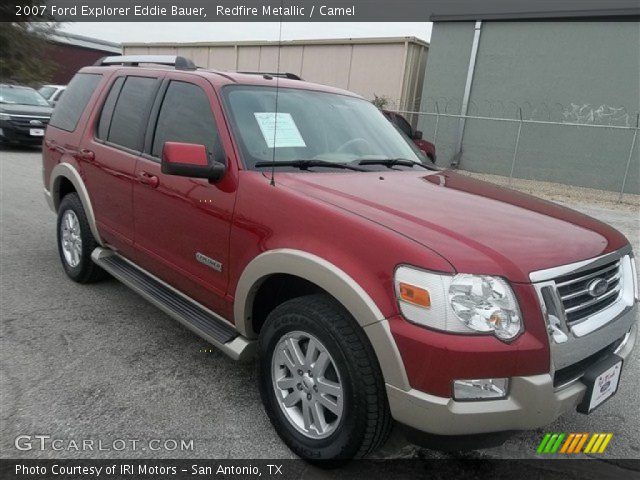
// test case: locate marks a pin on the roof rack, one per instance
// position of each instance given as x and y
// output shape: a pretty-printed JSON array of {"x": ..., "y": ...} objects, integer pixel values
[
  {"x": 290, "y": 76},
  {"x": 180, "y": 63}
]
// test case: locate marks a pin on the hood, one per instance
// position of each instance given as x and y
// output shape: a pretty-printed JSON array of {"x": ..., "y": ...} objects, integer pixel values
[
  {"x": 477, "y": 226},
  {"x": 17, "y": 109}
]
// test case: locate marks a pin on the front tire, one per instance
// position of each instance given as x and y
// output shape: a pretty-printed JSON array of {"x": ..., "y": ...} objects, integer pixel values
[
  {"x": 76, "y": 242},
  {"x": 320, "y": 381}
]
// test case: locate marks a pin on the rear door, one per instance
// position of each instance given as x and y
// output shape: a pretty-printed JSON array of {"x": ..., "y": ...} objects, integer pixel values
[
  {"x": 114, "y": 145},
  {"x": 182, "y": 224}
]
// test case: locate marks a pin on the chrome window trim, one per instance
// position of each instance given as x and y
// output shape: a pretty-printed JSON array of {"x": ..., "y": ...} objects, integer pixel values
[{"x": 554, "y": 272}]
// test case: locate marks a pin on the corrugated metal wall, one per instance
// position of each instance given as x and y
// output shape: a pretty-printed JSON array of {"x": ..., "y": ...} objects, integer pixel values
[
  {"x": 389, "y": 67},
  {"x": 561, "y": 73}
]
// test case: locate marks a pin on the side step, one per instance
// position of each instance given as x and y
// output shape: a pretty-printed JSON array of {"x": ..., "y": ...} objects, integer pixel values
[{"x": 191, "y": 314}]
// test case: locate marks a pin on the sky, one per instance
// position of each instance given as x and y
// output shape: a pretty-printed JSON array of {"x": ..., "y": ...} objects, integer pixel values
[{"x": 202, "y": 32}]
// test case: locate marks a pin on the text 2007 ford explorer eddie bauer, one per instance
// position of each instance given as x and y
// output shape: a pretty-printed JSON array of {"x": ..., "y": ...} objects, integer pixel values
[{"x": 292, "y": 222}]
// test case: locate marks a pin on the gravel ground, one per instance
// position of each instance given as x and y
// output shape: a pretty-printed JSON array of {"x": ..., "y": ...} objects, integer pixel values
[{"x": 98, "y": 362}]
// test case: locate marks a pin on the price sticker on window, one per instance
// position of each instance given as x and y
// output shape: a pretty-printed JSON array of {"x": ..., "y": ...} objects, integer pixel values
[{"x": 279, "y": 130}]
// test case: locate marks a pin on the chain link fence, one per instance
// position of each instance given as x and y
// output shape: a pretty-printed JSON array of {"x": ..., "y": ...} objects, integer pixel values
[{"x": 583, "y": 145}]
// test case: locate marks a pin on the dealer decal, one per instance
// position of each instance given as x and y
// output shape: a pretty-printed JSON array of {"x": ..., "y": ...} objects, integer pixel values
[{"x": 574, "y": 443}]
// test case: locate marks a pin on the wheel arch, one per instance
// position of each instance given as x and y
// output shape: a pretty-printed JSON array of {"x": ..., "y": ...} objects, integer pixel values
[
  {"x": 62, "y": 173},
  {"x": 328, "y": 278}
]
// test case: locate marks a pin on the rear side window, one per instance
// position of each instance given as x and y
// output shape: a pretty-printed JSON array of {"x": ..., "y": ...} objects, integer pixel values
[
  {"x": 185, "y": 116},
  {"x": 72, "y": 104},
  {"x": 107, "y": 109},
  {"x": 129, "y": 117}
]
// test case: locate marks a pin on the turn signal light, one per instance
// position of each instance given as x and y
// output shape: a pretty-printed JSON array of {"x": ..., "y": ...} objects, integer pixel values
[{"x": 415, "y": 295}]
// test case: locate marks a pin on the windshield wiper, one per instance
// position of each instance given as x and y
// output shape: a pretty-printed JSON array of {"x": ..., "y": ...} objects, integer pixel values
[
  {"x": 392, "y": 162},
  {"x": 306, "y": 164}
]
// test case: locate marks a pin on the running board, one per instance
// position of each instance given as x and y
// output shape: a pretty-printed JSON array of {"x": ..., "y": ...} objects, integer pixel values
[{"x": 191, "y": 314}]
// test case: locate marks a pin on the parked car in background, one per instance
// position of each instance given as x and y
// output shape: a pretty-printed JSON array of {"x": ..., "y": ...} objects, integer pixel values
[
  {"x": 24, "y": 115},
  {"x": 428, "y": 148},
  {"x": 52, "y": 92}
]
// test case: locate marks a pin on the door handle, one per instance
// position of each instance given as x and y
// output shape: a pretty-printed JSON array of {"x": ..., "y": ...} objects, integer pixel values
[
  {"x": 53, "y": 146},
  {"x": 86, "y": 155},
  {"x": 148, "y": 179}
]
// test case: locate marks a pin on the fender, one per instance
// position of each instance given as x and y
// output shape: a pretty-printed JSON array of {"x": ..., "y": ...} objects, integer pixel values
[
  {"x": 69, "y": 172},
  {"x": 338, "y": 284}
]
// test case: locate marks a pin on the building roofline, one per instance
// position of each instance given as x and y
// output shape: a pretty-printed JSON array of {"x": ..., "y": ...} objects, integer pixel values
[
  {"x": 85, "y": 42},
  {"x": 284, "y": 43},
  {"x": 538, "y": 10}
]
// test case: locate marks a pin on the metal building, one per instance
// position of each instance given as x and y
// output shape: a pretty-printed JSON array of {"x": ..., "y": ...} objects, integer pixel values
[
  {"x": 70, "y": 53},
  {"x": 552, "y": 100},
  {"x": 389, "y": 67}
]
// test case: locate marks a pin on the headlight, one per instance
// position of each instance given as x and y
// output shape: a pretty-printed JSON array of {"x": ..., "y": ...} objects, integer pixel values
[
  {"x": 462, "y": 303},
  {"x": 485, "y": 304},
  {"x": 5, "y": 116}
]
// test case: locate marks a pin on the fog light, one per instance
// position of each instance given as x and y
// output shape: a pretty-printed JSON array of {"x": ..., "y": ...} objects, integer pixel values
[{"x": 480, "y": 389}]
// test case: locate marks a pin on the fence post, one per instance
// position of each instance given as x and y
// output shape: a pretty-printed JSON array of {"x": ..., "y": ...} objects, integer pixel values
[
  {"x": 626, "y": 170},
  {"x": 435, "y": 133},
  {"x": 515, "y": 150}
]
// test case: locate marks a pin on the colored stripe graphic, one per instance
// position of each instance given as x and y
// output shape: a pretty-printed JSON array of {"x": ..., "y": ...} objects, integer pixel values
[
  {"x": 567, "y": 443},
  {"x": 598, "y": 443},
  {"x": 592, "y": 441},
  {"x": 575, "y": 442},
  {"x": 543, "y": 443},
  {"x": 572, "y": 443},
  {"x": 550, "y": 443},
  {"x": 555, "y": 447},
  {"x": 582, "y": 442},
  {"x": 605, "y": 442}
]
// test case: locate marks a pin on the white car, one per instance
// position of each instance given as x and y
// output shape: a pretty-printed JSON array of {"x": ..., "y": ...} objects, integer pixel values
[{"x": 52, "y": 92}]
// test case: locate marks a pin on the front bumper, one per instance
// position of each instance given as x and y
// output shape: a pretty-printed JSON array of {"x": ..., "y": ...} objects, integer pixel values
[
  {"x": 18, "y": 133},
  {"x": 533, "y": 401}
]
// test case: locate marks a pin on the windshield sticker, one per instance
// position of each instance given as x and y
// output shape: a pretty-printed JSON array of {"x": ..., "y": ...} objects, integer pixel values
[{"x": 280, "y": 133}]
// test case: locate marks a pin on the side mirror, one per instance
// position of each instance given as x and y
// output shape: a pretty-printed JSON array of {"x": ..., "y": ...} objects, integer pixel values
[
  {"x": 417, "y": 135},
  {"x": 189, "y": 160}
]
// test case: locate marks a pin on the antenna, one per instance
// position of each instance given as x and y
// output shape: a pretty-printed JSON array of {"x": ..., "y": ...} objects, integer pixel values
[{"x": 275, "y": 126}]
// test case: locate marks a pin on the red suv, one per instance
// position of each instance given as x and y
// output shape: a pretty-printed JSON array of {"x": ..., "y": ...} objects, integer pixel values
[{"x": 293, "y": 224}]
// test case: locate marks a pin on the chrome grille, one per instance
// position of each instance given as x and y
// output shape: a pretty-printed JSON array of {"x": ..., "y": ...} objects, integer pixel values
[
  {"x": 25, "y": 121},
  {"x": 578, "y": 301}
]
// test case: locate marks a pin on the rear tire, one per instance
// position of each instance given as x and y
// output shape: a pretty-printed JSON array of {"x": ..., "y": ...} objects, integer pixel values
[
  {"x": 76, "y": 242},
  {"x": 354, "y": 403}
]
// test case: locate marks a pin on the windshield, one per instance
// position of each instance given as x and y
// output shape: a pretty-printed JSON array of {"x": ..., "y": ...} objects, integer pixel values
[
  {"x": 311, "y": 125},
  {"x": 46, "y": 92},
  {"x": 22, "y": 96}
]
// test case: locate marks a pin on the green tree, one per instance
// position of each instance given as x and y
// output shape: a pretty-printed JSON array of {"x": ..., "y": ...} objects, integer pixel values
[
  {"x": 380, "y": 101},
  {"x": 23, "y": 46}
]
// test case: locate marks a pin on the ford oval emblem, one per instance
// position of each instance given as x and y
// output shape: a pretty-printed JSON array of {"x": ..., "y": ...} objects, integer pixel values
[
  {"x": 597, "y": 287},
  {"x": 35, "y": 122}
]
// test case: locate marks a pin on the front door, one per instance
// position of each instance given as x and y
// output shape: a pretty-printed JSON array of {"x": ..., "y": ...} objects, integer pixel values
[{"x": 182, "y": 224}]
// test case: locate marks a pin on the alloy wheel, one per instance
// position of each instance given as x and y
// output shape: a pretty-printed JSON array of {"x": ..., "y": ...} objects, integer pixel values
[{"x": 307, "y": 384}]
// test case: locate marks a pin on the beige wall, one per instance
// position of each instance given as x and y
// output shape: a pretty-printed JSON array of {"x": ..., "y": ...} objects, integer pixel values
[{"x": 393, "y": 68}]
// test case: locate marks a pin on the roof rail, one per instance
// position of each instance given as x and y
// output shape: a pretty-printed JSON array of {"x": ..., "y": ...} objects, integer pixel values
[
  {"x": 180, "y": 63},
  {"x": 290, "y": 76}
]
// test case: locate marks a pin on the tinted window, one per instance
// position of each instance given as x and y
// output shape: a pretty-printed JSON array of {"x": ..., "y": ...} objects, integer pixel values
[
  {"x": 185, "y": 116},
  {"x": 46, "y": 92},
  {"x": 70, "y": 108},
  {"x": 107, "y": 109},
  {"x": 13, "y": 95},
  {"x": 130, "y": 113},
  {"x": 403, "y": 124}
]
